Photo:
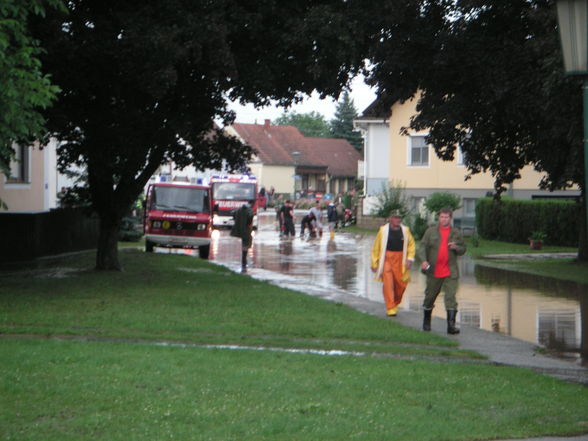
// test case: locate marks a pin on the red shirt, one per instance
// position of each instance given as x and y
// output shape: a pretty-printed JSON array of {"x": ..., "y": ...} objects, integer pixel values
[{"x": 442, "y": 264}]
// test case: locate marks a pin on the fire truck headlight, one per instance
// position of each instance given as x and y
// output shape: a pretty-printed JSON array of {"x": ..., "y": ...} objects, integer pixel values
[
  {"x": 201, "y": 227},
  {"x": 156, "y": 224}
]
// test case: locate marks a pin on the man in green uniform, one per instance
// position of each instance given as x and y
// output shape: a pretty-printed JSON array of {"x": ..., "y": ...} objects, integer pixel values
[
  {"x": 438, "y": 251},
  {"x": 242, "y": 228}
]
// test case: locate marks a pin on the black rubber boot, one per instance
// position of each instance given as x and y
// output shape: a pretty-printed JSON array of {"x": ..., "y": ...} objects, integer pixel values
[
  {"x": 427, "y": 319},
  {"x": 451, "y": 315},
  {"x": 244, "y": 261}
]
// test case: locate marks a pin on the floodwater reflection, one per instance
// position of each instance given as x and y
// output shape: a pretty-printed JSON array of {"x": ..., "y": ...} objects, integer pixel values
[{"x": 531, "y": 308}]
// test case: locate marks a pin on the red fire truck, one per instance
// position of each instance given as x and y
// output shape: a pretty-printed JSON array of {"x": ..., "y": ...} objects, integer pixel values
[
  {"x": 229, "y": 193},
  {"x": 178, "y": 216}
]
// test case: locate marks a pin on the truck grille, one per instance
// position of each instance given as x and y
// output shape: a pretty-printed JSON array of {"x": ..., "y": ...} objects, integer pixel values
[{"x": 171, "y": 226}]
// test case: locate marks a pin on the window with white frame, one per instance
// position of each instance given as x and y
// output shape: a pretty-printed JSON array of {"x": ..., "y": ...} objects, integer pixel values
[
  {"x": 20, "y": 165},
  {"x": 469, "y": 207},
  {"x": 418, "y": 154}
]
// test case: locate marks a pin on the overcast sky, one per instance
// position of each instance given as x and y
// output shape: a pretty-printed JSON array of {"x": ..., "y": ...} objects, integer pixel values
[{"x": 361, "y": 94}]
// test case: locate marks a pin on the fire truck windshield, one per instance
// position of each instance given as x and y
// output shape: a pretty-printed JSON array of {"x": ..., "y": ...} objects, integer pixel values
[
  {"x": 180, "y": 199},
  {"x": 233, "y": 191}
]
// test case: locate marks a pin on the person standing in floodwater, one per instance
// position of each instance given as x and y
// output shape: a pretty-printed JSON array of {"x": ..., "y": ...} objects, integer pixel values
[
  {"x": 438, "y": 252},
  {"x": 318, "y": 217},
  {"x": 392, "y": 256},
  {"x": 243, "y": 228},
  {"x": 332, "y": 218},
  {"x": 287, "y": 217}
]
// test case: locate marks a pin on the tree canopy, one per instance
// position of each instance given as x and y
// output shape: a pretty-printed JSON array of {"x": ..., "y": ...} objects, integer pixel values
[
  {"x": 489, "y": 78},
  {"x": 342, "y": 124},
  {"x": 142, "y": 82},
  {"x": 311, "y": 124},
  {"x": 24, "y": 88}
]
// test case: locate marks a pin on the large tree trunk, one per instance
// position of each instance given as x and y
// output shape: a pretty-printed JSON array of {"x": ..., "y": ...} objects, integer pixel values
[{"x": 107, "y": 253}]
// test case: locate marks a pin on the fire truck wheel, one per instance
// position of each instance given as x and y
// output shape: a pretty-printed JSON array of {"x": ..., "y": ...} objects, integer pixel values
[
  {"x": 148, "y": 246},
  {"x": 204, "y": 251}
]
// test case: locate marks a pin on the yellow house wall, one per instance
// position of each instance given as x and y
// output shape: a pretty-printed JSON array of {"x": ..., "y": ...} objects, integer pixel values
[
  {"x": 281, "y": 177},
  {"x": 438, "y": 174},
  {"x": 26, "y": 196}
]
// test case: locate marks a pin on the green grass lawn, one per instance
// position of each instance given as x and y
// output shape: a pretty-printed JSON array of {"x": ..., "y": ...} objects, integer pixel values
[
  {"x": 181, "y": 298},
  {"x": 483, "y": 247},
  {"x": 61, "y": 390},
  {"x": 88, "y": 355}
]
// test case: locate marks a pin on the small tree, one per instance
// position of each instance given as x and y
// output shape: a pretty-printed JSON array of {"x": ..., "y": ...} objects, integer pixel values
[
  {"x": 342, "y": 124},
  {"x": 392, "y": 198},
  {"x": 438, "y": 200}
]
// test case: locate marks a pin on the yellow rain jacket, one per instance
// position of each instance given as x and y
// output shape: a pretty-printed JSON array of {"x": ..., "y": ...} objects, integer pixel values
[{"x": 379, "y": 251}]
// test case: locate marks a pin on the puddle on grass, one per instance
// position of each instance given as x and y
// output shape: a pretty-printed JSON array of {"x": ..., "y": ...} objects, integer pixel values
[
  {"x": 195, "y": 270},
  {"x": 57, "y": 273},
  {"x": 330, "y": 352}
]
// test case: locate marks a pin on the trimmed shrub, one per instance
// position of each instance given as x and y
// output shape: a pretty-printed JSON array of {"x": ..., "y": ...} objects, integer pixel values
[{"x": 514, "y": 221}]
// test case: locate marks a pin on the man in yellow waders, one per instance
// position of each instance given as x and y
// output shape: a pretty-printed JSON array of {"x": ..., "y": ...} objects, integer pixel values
[{"x": 392, "y": 256}]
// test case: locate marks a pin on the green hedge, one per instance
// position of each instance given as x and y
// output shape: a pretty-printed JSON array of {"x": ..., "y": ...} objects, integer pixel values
[{"x": 514, "y": 220}]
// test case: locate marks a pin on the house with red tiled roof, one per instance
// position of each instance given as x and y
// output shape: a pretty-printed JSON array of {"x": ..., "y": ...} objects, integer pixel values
[
  {"x": 288, "y": 161},
  {"x": 342, "y": 161}
]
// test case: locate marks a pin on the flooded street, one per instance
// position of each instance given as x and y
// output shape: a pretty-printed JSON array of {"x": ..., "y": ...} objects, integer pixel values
[{"x": 530, "y": 308}]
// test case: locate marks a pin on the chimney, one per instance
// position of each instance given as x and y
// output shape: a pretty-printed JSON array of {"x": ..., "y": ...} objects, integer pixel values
[{"x": 266, "y": 124}]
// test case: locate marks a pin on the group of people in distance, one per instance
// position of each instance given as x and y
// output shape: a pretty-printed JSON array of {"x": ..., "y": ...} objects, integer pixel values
[{"x": 311, "y": 221}]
